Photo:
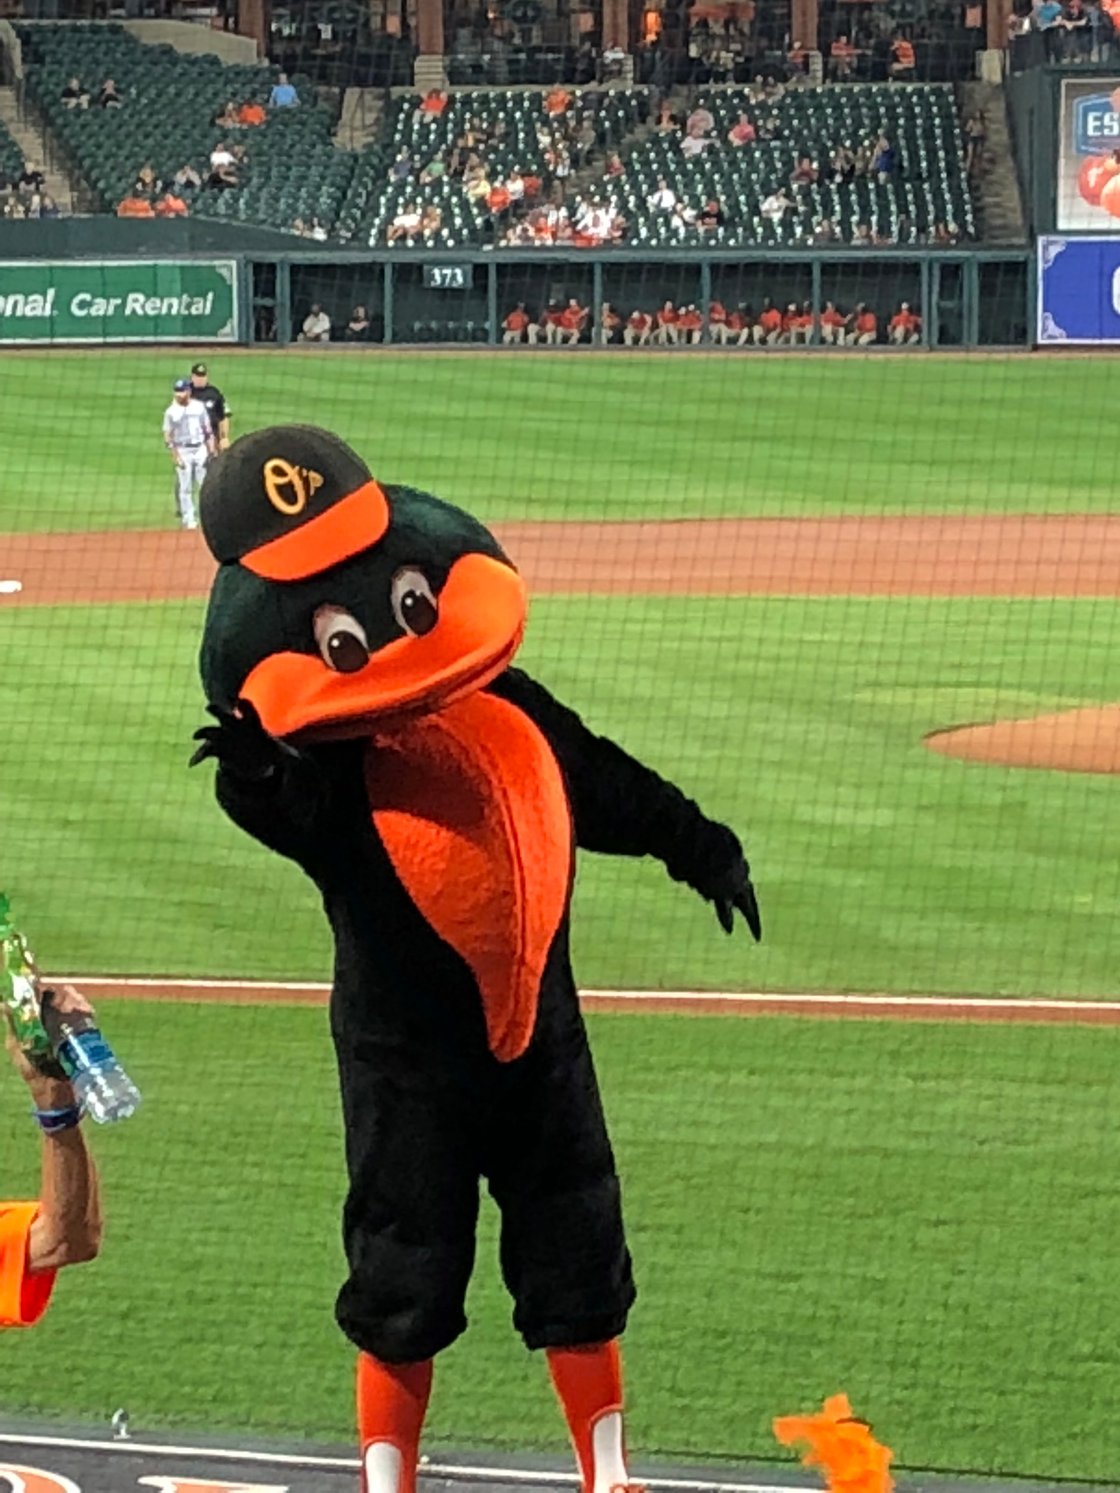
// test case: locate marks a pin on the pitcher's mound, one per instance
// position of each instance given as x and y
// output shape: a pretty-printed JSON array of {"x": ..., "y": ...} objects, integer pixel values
[{"x": 1073, "y": 741}]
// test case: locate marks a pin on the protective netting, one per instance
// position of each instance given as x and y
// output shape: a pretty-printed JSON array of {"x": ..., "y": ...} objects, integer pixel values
[{"x": 782, "y": 581}]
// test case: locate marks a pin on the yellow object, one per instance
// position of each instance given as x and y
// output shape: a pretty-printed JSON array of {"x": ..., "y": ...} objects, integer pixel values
[{"x": 841, "y": 1445}]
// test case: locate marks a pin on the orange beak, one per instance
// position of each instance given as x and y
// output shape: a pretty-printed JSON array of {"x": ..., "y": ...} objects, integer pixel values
[{"x": 481, "y": 617}]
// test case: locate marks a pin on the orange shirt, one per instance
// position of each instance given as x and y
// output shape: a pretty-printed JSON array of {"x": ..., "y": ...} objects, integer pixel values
[
  {"x": 832, "y": 319},
  {"x": 803, "y": 320},
  {"x": 691, "y": 321},
  {"x": 736, "y": 321},
  {"x": 716, "y": 313},
  {"x": 666, "y": 317},
  {"x": 135, "y": 207},
  {"x": 250, "y": 114},
  {"x": 170, "y": 206},
  {"x": 572, "y": 318},
  {"x": 906, "y": 320},
  {"x": 639, "y": 320},
  {"x": 903, "y": 53},
  {"x": 516, "y": 321},
  {"x": 609, "y": 319},
  {"x": 498, "y": 199},
  {"x": 866, "y": 322},
  {"x": 23, "y": 1296},
  {"x": 434, "y": 103},
  {"x": 770, "y": 321},
  {"x": 557, "y": 101}
]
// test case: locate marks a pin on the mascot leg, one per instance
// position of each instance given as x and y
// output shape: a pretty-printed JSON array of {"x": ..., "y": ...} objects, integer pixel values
[
  {"x": 392, "y": 1401},
  {"x": 589, "y": 1384}
]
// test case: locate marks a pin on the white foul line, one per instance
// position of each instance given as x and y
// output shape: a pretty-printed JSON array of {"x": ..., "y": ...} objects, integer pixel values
[
  {"x": 465, "y": 1472},
  {"x": 775, "y": 998}
]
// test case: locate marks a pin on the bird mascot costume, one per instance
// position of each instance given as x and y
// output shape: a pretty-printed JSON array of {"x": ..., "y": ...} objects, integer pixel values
[{"x": 369, "y": 725}]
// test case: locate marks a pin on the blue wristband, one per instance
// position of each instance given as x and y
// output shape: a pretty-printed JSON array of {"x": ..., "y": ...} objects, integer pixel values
[{"x": 53, "y": 1121}]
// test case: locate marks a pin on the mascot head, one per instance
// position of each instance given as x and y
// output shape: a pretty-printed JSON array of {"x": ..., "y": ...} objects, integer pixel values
[{"x": 338, "y": 603}]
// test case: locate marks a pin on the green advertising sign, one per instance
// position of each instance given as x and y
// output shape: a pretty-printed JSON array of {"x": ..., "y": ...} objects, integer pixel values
[{"x": 118, "y": 301}]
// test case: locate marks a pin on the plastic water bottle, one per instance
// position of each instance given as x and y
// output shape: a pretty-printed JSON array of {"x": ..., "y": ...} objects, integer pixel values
[{"x": 102, "y": 1087}]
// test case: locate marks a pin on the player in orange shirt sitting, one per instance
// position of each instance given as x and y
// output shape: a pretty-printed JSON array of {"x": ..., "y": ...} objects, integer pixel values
[
  {"x": 904, "y": 327},
  {"x": 866, "y": 328},
  {"x": 515, "y": 324},
  {"x": 769, "y": 327},
  {"x": 689, "y": 324},
  {"x": 572, "y": 320},
  {"x": 609, "y": 323},
  {"x": 717, "y": 322},
  {"x": 64, "y": 1226},
  {"x": 666, "y": 320},
  {"x": 834, "y": 325},
  {"x": 639, "y": 325}
]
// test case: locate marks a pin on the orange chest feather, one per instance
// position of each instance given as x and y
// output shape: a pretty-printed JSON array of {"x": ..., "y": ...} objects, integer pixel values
[{"x": 470, "y": 806}]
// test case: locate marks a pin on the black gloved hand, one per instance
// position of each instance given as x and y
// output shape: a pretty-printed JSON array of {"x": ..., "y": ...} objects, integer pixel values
[
  {"x": 240, "y": 743},
  {"x": 714, "y": 865}
]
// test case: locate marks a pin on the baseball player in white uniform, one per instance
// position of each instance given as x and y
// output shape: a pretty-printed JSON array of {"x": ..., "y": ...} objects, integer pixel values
[{"x": 189, "y": 437}]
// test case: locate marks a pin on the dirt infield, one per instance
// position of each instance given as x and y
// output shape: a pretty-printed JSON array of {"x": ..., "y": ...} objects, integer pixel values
[
  {"x": 1077, "y": 555},
  {"x": 1085, "y": 740},
  {"x": 1041, "y": 1011}
]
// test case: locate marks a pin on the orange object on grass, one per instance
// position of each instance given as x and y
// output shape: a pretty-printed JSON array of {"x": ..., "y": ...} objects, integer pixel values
[{"x": 841, "y": 1445}]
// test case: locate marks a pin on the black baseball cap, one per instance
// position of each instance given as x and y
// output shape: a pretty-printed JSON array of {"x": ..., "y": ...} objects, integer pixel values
[
  {"x": 199, "y": 368},
  {"x": 290, "y": 501}
]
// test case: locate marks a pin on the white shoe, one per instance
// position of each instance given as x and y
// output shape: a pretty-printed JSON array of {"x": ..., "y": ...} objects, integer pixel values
[{"x": 190, "y": 523}]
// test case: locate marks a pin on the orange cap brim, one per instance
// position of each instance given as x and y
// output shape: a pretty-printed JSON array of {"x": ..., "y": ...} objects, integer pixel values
[{"x": 349, "y": 526}]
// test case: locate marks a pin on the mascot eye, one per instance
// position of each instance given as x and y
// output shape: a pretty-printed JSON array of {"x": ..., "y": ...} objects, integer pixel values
[
  {"x": 414, "y": 606},
  {"x": 341, "y": 639}
]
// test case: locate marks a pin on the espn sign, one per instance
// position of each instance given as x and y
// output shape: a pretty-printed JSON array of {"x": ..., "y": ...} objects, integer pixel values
[
  {"x": 19, "y": 1479},
  {"x": 1096, "y": 125}
]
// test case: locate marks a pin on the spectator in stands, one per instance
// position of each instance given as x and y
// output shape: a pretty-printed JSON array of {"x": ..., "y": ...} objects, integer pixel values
[
  {"x": 885, "y": 160},
  {"x": 251, "y": 114},
  {"x": 694, "y": 145},
  {"x": 75, "y": 95},
  {"x": 902, "y": 60},
  {"x": 666, "y": 326},
  {"x": 690, "y": 324},
  {"x": 227, "y": 119},
  {"x": 186, "y": 179},
  {"x": 431, "y": 220},
  {"x": 557, "y": 102},
  {"x": 135, "y": 206},
  {"x": 638, "y": 329},
  {"x": 841, "y": 58},
  {"x": 30, "y": 179},
  {"x": 14, "y": 208},
  {"x": 1047, "y": 19},
  {"x": 223, "y": 167},
  {"x": 147, "y": 184},
  {"x": 405, "y": 225},
  {"x": 742, "y": 132},
  {"x": 317, "y": 231},
  {"x": 402, "y": 165},
  {"x": 316, "y": 324},
  {"x": 48, "y": 207},
  {"x": 683, "y": 218},
  {"x": 712, "y": 217},
  {"x": 865, "y": 328},
  {"x": 904, "y": 327},
  {"x": 515, "y": 185},
  {"x": 663, "y": 199},
  {"x": 1076, "y": 26},
  {"x": 515, "y": 325},
  {"x": 171, "y": 205},
  {"x": 609, "y": 324},
  {"x": 585, "y": 142},
  {"x": 1102, "y": 28},
  {"x": 431, "y": 106},
  {"x": 357, "y": 328},
  {"x": 283, "y": 95},
  {"x": 825, "y": 232},
  {"x": 435, "y": 170},
  {"x": 976, "y": 137},
  {"x": 476, "y": 184},
  {"x": 805, "y": 173},
  {"x": 774, "y": 207},
  {"x": 109, "y": 98},
  {"x": 768, "y": 329},
  {"x": 842, "y": 163},
  {"x": 833, "y": 325},
  {"x": 862, "y": 239},
  {"x": 614, "y": 167}
]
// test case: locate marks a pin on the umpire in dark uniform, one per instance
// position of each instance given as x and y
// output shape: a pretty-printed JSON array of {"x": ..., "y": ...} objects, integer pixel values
[{"x": 214, "y": 400}]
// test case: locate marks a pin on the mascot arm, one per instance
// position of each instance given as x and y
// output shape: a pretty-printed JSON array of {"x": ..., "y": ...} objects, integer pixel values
[{"x": 621, "y": 807}]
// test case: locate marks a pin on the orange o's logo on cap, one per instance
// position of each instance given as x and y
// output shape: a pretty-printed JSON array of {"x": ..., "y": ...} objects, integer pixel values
[{"x": 288, "y": 487}]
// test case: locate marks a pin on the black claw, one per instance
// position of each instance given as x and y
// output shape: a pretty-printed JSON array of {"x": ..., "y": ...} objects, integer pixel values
[
  {"x": 747, "y": 903},
  {"x": 725, "y": 915}
]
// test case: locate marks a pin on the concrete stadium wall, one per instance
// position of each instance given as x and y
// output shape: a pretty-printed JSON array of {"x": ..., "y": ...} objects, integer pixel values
[{"x": 187, "y": 36}]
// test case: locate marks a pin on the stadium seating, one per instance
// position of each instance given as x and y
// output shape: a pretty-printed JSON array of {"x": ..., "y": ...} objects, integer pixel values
[
  {"x": 374, "y": 199},
  {"x": 292, "y": 168},
  {"x": 928, "y": 187}
]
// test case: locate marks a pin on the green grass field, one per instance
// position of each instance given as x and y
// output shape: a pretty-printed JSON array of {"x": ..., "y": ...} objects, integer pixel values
[
  {"x": 920, "y": 1215},
  {"x": 585, "y": 437},
  {"x": 912, "y": 1213}
]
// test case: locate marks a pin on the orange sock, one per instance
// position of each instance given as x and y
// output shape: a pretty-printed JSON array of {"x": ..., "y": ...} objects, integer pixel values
[
  {"x": 392, "y": 1401},
  {"x": 589, "y": 1384}
]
